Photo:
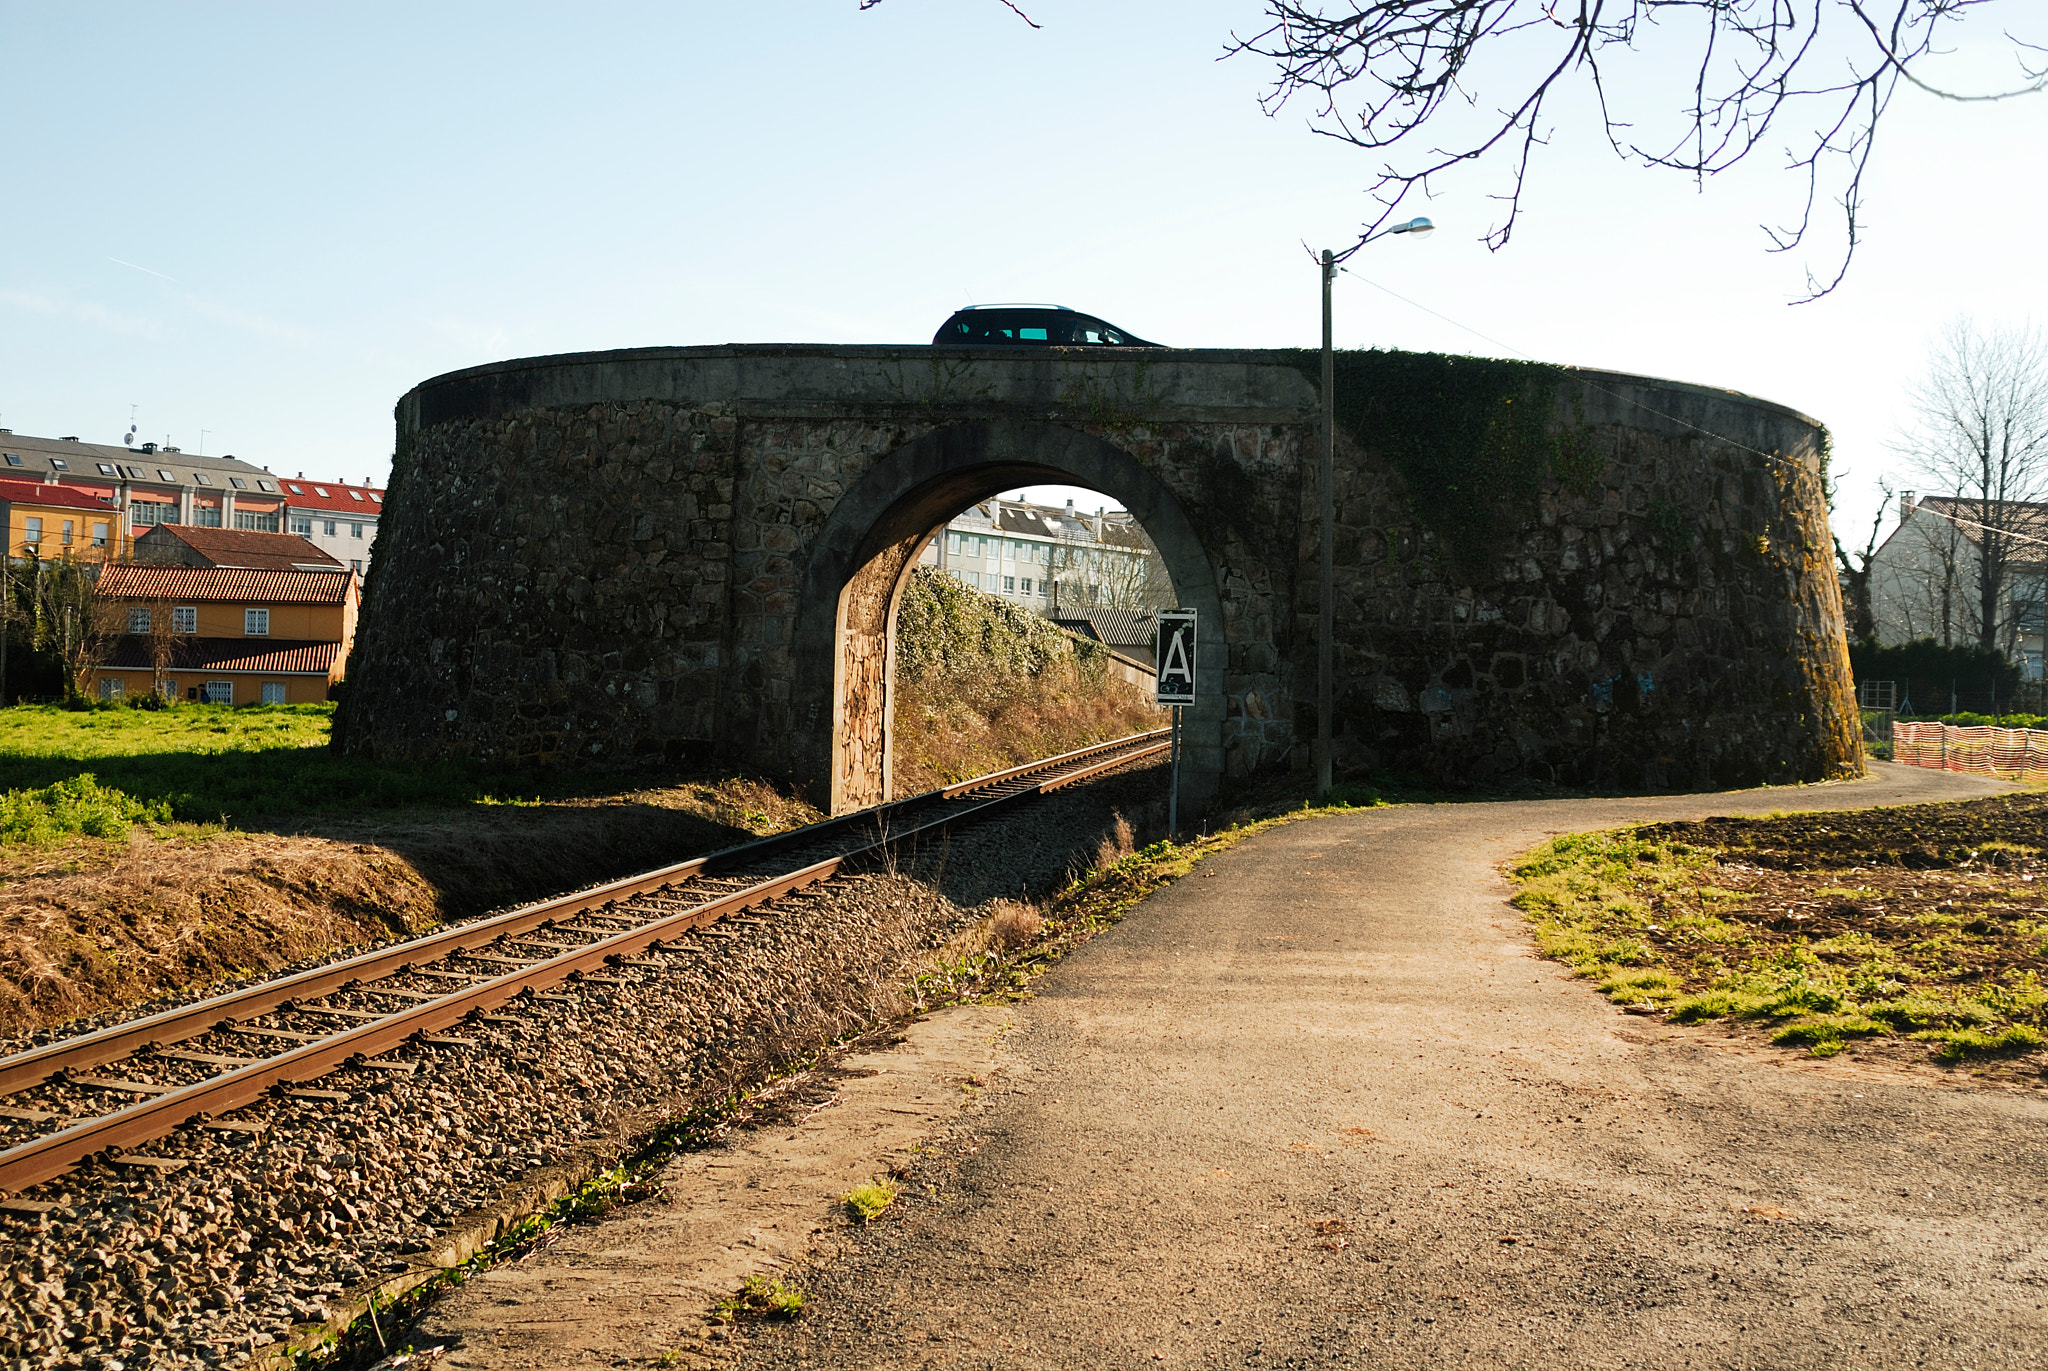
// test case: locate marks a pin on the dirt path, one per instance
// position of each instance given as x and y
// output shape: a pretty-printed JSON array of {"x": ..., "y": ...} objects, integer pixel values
[{"x": 1320, "y": 1105}]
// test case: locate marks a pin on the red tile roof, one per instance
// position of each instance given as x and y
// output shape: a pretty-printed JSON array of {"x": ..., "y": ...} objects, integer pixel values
[
  {"x": 36, "y": 493},
  {"x": 364, "y": 502},
  {"x": 236, "y": 585},
  {"x": 240, "y": 547},
  {"x": 230, "y": 654}
]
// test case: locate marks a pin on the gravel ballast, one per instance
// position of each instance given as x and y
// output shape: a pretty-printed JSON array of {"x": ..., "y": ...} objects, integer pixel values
[{"x": 229, "y": 1237}]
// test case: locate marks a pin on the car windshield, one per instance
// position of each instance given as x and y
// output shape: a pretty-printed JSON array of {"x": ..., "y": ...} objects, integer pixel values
[{"x": 1045, "y": 326}]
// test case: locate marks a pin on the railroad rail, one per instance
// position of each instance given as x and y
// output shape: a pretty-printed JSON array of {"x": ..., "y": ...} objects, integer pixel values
[{"x": 411, "y": 991}]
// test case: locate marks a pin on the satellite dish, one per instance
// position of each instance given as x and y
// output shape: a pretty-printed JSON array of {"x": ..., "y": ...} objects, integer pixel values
[{"x": 128, "y": 438}]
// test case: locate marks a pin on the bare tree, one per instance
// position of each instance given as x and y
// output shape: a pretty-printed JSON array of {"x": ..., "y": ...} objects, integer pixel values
[
  {"x": 1982, "y": 431},
  {"x": 74, "y": 621},
  {"x": 1855, "y": 576},
  {"x": 1381, "y": 72}
]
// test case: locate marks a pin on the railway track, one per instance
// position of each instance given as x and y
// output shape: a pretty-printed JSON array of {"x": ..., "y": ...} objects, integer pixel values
[{"x": 106, "y": 1093}]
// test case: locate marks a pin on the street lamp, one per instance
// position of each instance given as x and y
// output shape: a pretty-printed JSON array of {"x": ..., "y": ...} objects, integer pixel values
[{"x": 1327, "y": 603}]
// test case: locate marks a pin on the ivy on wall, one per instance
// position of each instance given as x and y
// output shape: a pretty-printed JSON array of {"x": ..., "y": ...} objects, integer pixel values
[{"x": 1473, "y": 438}]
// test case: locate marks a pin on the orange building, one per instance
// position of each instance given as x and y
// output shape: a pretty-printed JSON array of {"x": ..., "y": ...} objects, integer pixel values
[
  {"x": 49, "y": 522},
  {"x": 232, "y": 635}
]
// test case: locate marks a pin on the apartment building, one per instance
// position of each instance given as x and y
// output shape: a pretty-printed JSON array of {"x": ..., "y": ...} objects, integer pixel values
[
  {"x": 336, "y": 517},
  {"x": 1054, "y": 560},
  {"x": 45, "y": 521},
  {"x": 150, "y": 485},
  {"x": 228, "y": 635}
]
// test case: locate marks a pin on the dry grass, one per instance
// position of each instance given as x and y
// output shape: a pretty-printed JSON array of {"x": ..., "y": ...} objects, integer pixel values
[
  {"x": 951, "y": 727},
  {"x": 91, "y": 925}
]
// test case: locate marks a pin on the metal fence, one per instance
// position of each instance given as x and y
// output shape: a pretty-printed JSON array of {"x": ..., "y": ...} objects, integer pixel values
[{"x": 2012, "y": 754}]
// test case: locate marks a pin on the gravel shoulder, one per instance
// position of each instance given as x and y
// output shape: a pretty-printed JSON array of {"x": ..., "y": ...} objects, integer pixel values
[{"x": 1321, "y": 1104}]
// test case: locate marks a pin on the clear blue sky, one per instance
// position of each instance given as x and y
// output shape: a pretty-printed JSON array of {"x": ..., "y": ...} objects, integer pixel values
[{"x": 266, "y": 222}]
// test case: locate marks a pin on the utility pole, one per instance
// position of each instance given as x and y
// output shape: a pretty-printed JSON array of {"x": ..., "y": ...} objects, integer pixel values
[{"x": 1326, "y": 597}]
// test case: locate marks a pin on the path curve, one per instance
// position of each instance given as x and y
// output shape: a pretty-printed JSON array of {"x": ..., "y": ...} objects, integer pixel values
[{"x": 1320, "y": 1104}]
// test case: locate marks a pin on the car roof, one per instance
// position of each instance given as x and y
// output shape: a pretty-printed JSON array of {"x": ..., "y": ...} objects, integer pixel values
[{"x": 1064, "y": 309}]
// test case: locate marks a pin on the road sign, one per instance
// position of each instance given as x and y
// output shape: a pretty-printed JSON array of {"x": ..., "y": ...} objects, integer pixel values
[{"x": 1175, "y": 681}]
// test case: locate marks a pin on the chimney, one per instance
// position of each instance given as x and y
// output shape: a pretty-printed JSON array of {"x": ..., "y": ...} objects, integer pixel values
[{"x": 1905, "y": 504}]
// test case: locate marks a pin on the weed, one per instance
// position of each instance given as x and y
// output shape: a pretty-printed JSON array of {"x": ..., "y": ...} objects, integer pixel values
[
  {"x": 867, "y": 1201},
  {"x": 1960, "y": 1044},
  {"x": 761, "y": 1298},
  {"x": 77, "y": 805}
]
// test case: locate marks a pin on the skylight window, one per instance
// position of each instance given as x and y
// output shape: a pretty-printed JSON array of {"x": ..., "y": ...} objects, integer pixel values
[
  {"x": 14, "y": 459},
  {"x": 320, "y": 490},
  {"x": 106, "y": 468},
  {"x": 265, "y": 485},
  {"x": 163, "y": 475},
  {"x": 238, "y": 483},
  {"x": 59, "y": 464},
  {"x": 376, "y": 498},
  {"x": 202, "y": 478},
  {"x": 296, "y": 490},
  {"x": 355, "y": 495}
]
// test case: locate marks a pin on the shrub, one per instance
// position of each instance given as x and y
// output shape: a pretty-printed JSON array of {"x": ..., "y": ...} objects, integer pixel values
[{"x": 77, "y": 805}]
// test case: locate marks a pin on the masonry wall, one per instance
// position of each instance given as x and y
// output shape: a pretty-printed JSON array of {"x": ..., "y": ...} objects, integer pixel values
[
  {"x": 603, "y": 560},
  {"x": 1670, "y": 620}
]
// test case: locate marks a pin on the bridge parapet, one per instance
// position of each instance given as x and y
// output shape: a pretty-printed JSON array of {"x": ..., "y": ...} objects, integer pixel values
[{"x": 679, "y": 552}]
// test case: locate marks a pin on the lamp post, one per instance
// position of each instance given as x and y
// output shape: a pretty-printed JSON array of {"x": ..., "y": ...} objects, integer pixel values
[{"x": 1326, "y": 606}]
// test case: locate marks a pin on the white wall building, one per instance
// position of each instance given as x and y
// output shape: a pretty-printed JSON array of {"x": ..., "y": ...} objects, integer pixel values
[{"x": 1051, "y": 559}]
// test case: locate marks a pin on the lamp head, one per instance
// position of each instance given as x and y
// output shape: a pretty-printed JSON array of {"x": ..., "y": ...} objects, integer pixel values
[{"x": 1418, "y": 226}]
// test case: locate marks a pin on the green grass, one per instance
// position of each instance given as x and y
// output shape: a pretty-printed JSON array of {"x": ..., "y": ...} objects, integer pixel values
[
  {"x": 761, "y": 1298},
  {"x": 76, "y": 806},
  {"x": 211, "y": 763},
  {"x": 868, "y": 1200},
  {"x": 1643, "y": 920}
]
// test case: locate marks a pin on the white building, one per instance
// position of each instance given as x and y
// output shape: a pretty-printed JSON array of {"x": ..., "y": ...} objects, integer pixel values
[
  {"x": 1050, "y": 559},
  {"x": 1924, "y": 578},
  {"x": 334, "y": 516}
]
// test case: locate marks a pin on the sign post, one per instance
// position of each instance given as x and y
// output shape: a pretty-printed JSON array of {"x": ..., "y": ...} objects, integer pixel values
[{"x": 1173, "y": 684}]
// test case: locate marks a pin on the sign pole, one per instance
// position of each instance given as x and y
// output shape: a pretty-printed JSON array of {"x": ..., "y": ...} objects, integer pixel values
[{"x": 1173, "y": 795}]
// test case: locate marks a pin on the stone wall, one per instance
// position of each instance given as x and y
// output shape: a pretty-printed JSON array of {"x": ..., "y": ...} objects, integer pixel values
[
  {"x": 1669, "y": 620},
  {"x": 672, "y": 554}
]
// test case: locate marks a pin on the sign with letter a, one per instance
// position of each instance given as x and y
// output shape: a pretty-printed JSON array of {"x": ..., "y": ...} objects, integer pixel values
[{"x": 1175, "y": 682}]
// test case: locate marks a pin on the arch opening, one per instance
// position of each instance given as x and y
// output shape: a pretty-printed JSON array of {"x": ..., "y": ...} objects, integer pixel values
[{"x": 864, "y": 557}]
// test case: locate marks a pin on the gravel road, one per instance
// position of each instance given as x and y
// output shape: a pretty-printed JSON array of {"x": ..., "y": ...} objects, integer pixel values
[{"x": 1320, "y": 1105}]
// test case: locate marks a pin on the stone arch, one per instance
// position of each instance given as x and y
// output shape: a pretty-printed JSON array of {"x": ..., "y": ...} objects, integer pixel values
[{"x": 844, "y": 636}]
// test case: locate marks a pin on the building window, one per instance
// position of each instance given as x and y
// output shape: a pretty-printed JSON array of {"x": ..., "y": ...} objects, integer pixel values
[
  {"x": 265, "y": 485},
  {"x": 273, "y": 692},
  {"x": 1009, "y": 585},
  {"x": 148, "y": 512},
  {"x": 165, "y": 476},
  {"x": 238, "y": 483},
  {"x": 206, "y": 516},
  {"x": 302, "y": 527},
  {"x": 99, "y": 533},
  {"x": 200, "y": 478},
  {"x": 218, "y": 692},
  {"x": 356, "y": 565},
  {"x": 256, "y": 623},
  {"x": 106, "y": 468},
  {"x": 68, "y": 526},
  {"x": 185, "y": 619},
  {"x": 255, "y": 523},
  {"x": 32, "y": 531},
  {"x": 971, "y": 579},
  {"x": 330, "y": 528},
  {"x": 14, "y": 459},
  {"x": 356, "y": 495},
  {"x": 138, "y": 621},
  {"x": 355, "y": 530},
  {"x": 1025, "y": 585},
  {"x": 112, "y": 687},
  {"x": 59, "y": 464}
]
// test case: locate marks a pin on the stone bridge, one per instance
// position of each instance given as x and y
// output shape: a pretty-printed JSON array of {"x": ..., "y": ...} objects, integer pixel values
[{"x": 689, "y": 553}]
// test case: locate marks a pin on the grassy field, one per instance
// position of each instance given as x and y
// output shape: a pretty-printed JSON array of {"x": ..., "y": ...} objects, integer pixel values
[
  {"x": 1919, "y": 925},
  {"x": 234, "y": 766}
]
